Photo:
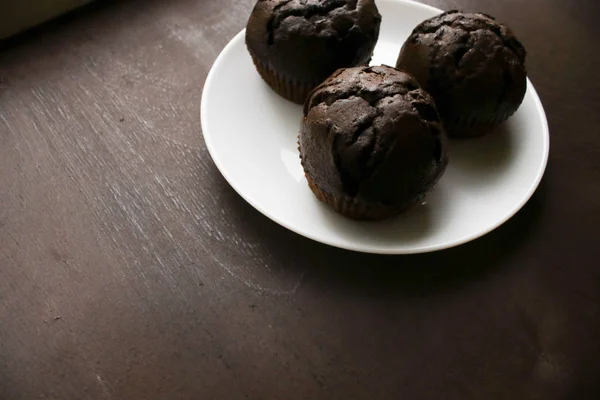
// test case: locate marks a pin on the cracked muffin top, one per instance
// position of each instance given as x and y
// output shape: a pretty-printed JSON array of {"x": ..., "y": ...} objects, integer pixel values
[
  {"x": 472, "y": 65},
  {"x": 307, "y": 40},
  {"x": 373, "y": 135}
]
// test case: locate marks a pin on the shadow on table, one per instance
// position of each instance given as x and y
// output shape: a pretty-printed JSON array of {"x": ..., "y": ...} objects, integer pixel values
[{"x": 376, "y": 274}]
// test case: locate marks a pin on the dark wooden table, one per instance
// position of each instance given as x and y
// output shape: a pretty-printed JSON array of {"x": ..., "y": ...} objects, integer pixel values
[{"x": 129, "y": 269}]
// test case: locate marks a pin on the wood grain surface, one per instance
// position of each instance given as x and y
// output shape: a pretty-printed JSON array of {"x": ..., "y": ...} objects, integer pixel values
[{"x": 129, "y": 269}]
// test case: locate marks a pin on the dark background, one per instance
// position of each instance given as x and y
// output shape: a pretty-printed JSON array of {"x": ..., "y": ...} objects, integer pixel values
[{"x": 129, "y": 269}]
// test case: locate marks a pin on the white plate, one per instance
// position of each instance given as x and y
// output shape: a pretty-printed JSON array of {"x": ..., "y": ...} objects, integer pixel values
[{"x": 251, "y": 134}]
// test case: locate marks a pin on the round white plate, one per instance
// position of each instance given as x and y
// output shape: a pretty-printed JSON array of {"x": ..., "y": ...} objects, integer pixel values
[{"x": 251, "y": 134}]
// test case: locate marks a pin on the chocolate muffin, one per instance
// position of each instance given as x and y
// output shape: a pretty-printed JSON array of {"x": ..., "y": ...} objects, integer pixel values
[
  {"x": 297, "y": 44},
  {"x": 371, "y": 142},
  {"x": 472, "y": 66}
]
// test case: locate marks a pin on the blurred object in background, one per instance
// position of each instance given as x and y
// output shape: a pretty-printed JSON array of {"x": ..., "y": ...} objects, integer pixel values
[{"x": 17, "y": 16}]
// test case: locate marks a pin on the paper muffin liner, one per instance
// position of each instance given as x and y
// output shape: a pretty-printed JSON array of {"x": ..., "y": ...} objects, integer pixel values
[
  {"x": 350, "y": 207},
  {"x": 286, "y": 87},
  {"x": 470, "y": 126}
]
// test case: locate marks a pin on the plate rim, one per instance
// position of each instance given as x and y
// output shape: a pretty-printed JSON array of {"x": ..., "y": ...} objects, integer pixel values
[{"x": 367, "y": 249}]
